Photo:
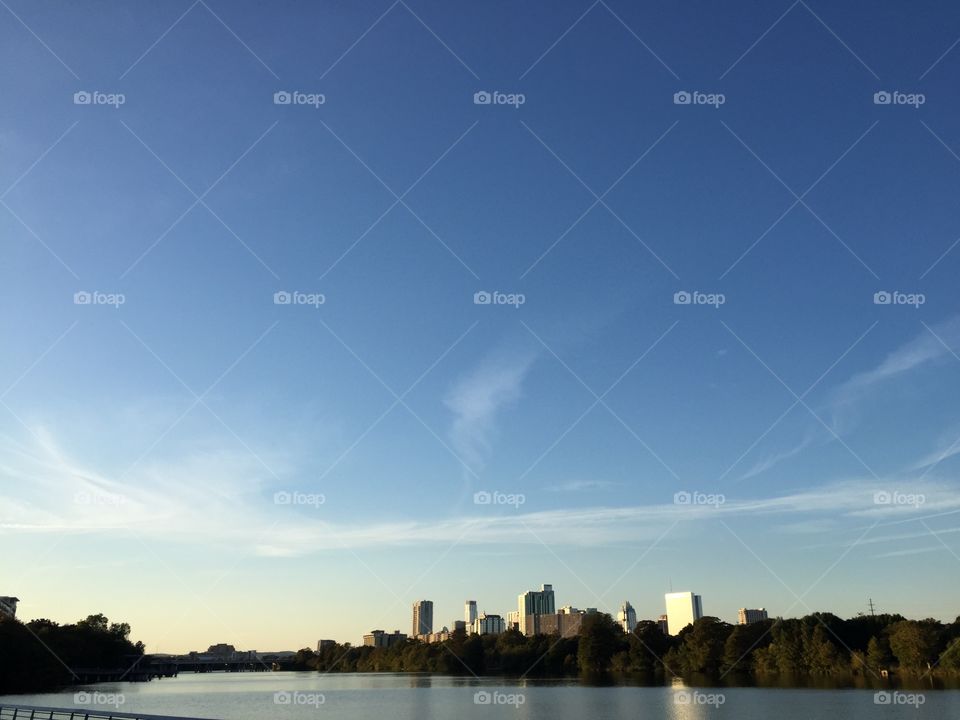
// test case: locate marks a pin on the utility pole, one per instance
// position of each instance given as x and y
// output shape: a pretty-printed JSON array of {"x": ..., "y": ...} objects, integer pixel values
[{"x": 872, "y": 608}]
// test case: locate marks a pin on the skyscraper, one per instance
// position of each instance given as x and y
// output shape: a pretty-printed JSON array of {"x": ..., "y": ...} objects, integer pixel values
[
  {"x": 422, "y": 617},
  {"x": 535, "y": 602},
  {"x": 627, "y": 617},
  {"x": 470, "y": 612},
  {"x": 683, "y": 608}
]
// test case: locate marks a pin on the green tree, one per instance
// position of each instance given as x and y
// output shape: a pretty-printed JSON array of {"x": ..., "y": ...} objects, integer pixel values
[
  {"x": 820, "y": 654},
  {"x": 912, "y": 643},
  {"x": 597, "y": 642},
  {"x": 647, "y": 648},
  {"x": 741, "y": 644},
  {"x": 878, "y": 653},
  {"x": 950, "y": 657},
  {"x": 703, "y": 646}
]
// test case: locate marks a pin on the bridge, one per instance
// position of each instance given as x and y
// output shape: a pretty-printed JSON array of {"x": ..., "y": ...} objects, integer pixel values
[
  {"x": 146, "y": 667},
  {"x": 30, "y": 712}
]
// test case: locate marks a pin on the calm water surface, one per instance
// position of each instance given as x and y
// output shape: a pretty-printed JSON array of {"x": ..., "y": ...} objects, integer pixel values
[{"x": 255, "y": 696}]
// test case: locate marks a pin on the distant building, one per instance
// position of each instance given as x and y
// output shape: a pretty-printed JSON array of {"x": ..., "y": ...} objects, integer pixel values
[
  {"x": 461, "y": 625},
  {"x": 662, "y": 622},
  {"x": 382, "y": 639},
  {"x": 683, "y": 608},
  {"x": 627, "y": 617},
  {"x": 749, "y": 616},
  {"x": 513, "y": 620},
  {"x": 323, "y": 644},
  {"x": 489, "y": 625},
  {"x": 422, "y": 617},
  {"x": 8, "y": 606},
  {"x": 436, "y": 637},
  {"x": 470, "y": 612},
  {"x": 565, "y": 623},
  {"x": 533, "y": 603},
  {"x": 221, "y": 650}
]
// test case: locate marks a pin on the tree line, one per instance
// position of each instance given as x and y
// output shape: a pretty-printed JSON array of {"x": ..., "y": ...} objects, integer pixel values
[
  {"x": 40, "y": 655},
  {"x": 820, "y": 644}
]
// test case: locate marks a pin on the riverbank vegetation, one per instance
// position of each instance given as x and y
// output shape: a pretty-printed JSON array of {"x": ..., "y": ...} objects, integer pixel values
[
  {"x": 818, "y": 645},
  {"x": 42, "y": 655}
]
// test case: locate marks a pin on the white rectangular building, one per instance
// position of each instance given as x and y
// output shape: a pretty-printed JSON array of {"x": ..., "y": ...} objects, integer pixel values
[{"x": 683, "y": 608}]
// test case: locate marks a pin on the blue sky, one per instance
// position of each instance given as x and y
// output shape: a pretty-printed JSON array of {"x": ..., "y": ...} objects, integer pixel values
[{"x": 142, "y": 446}]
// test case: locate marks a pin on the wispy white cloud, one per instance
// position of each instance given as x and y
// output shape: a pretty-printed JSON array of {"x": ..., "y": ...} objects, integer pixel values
[
  {"x": 764, "y": 464},
  {"x": 580, "y": 485},
  {"x": 477, "y": 399},
  {"x": 912, "y": 551},
  {"x": 928, "y": 346}
]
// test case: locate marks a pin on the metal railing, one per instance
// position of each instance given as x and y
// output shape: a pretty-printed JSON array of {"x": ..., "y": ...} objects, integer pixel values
[{"x": 29, "y": 712}]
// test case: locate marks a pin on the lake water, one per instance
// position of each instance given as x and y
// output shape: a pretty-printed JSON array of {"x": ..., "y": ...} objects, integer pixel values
[{"x": 296, "y": 696}]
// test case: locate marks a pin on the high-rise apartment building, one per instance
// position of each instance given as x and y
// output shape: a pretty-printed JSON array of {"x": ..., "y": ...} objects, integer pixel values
[
  {"x": 422, "y": 617},
  {"x": 749, "y": 616},
  {"x": 489, "y": 625},
  {"x": 627, "y": 617},
  {"x": 470, "y": 612},
  {"x": 683, "y": 608},
  {"x": 535, "y": 602}
]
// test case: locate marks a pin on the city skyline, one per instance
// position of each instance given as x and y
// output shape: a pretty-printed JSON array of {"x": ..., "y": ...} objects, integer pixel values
[{"x": 312, "y": 313}]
